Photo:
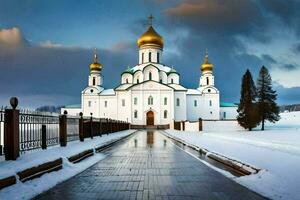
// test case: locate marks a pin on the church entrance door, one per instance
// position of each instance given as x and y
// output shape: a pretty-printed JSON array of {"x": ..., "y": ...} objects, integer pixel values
[{"x": 150, "y": 118}]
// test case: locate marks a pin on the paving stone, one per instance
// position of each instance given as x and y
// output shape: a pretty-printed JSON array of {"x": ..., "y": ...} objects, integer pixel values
[{"x": 149, "y": 171}]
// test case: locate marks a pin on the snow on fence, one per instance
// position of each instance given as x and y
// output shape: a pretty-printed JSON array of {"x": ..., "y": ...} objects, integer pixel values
[
  {"x": 24, "y": 130},
  {"x": 206, "y": 125}
]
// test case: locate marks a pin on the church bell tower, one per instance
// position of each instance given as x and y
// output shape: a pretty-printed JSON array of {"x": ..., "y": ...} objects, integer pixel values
[
  {"x": 207, "y": 77},
  {"x": 95, "y": 77}
]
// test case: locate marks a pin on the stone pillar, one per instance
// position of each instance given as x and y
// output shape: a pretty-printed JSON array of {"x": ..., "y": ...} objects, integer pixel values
[
  {"x": 11, "y": 131},
  {"x": 63, "y": 129},
  {"x": 81, "y": 136},
  {"x": 200, "y": 124},
  {"x": 91, "y": 126}
]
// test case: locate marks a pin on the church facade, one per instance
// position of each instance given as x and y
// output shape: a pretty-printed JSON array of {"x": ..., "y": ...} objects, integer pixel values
[{"x": 150, "y": 93}]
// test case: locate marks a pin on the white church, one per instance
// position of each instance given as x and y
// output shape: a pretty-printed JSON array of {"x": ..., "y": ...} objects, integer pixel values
[{"x": 150, "y": 93}]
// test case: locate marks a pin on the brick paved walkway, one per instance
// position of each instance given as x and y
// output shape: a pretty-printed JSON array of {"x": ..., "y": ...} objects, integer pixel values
[{"x": 148, "y": 166}]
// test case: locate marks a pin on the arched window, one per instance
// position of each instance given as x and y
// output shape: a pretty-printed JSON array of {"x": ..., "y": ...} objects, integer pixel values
[
  {"x": 165, "y": 101},
  {"x": 149, "y": 56},
  {"x": 137, "y": 81},
  {"x": 210, "y": 103},
  {"x": 150, "y": 75},
  {"x": 126, "y": 80},
  {"x": 165, "y": 114},
  {"x": 177, "y": 102},
  {"x": 195, "y": 103},
  {"x": 94, "y": 81},
  {"x": 135, "y": 101},
  {"x": 207, "y": 81},
  {"x": 135, "y": 114},
  {"x": 157, "y": 57},
  {"x": 172, "y": 80},
  {"x": 150, "y": 100},
  {"x": 142, "y": 57}
]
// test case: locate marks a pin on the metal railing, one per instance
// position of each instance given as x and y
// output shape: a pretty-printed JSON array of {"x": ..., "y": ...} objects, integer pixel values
[
  {"x": 26, "y": 130},
  {"x": 72, "y": 128},
  {"x": 30, "y": 129}
]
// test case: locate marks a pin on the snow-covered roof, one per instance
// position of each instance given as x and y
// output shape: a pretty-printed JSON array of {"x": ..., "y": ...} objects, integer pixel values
[
  {"x": 193, "y": 92},
  {"x": 158, "y": 65},
  {"x": 108, "y": 92},
  {"x": 177, "y": 87},
  {"x": 227, "y": 104},
  {"x": 73, "y": 106},
  {"x": 123, "y": 86}
]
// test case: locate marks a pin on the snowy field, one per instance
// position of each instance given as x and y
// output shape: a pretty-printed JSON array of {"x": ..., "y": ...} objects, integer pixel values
[
  {"x": 36, "y": 186},
  {"x": 276, "y": 151}
]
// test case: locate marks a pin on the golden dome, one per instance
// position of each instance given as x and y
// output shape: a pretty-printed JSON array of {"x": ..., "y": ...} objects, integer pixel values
[
  {"x": 206, "y": 66},
  {"x": 95, "y": 66},
  {"x": 151, "y": 37}
]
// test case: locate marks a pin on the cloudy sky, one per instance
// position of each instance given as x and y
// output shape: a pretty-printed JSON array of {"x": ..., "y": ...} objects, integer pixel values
[{"x": 46, "y": 46}]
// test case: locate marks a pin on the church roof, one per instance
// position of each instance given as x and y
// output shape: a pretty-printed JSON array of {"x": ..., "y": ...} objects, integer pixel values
[
  {"x": 227, "y": 104},
  {"x": 193, "y": 92},
  {"x": 107, "y": 92}
]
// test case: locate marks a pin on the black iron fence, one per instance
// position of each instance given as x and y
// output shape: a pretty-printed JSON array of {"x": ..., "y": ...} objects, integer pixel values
[
  {"x": 24, "y": 130},
  {"x": 32, "y": 124}
]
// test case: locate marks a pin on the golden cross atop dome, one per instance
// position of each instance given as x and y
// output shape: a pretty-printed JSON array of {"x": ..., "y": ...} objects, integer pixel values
[
  {"x": 95, "y": 56},
  {"x": 150, "y": 19}
]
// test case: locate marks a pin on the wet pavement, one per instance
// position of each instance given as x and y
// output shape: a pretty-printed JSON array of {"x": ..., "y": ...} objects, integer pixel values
[{"x": 149, "y": 166}]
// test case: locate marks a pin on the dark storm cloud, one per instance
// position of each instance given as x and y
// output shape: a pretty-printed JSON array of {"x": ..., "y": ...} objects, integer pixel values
[
  {"x": 268, "y": 58},
  {"x": 287, "y": 11},
  {"x": 289, "y": 67},
  {"x": 55, "y": 70}
]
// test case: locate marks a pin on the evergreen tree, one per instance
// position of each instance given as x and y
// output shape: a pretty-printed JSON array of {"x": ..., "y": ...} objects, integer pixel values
[
  {"x": 248, "y": 116},
  {"x": 268, "y": 109}
]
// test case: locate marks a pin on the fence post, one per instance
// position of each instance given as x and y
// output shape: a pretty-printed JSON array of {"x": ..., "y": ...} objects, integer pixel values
[
  {"x": 200, "y": 124},
  {"x": 63, "y": 129},
  {"x": 91, "y": 126},
  {"x": 44, "y": 137},
  {"x": 11, "y": 131},
  {"x": 81, "y": 137}
]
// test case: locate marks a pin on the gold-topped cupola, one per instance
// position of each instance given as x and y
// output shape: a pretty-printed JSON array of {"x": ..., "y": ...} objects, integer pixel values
[
  {"x": 150, "y": 38},
  {"x": 95, "y": 66},
  {"x": 206, "y": 66}
]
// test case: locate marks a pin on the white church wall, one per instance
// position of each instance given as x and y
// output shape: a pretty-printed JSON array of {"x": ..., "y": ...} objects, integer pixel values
[
  {"x": 228, "y": 112},
  {"x": 194, "y": 110},
  {"x": 90, "y": 105},
  {"x": 124, "y": 105},
  {"x": 180, "y": 109},
  {"x": 211, "y": 106},
  {"x": 108, "y": 108},
  {"x": 144, "y": 55}
]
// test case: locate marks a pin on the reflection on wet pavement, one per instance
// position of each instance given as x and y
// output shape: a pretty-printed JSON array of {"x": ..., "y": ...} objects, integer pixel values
[{"x": 149, "y": 166}]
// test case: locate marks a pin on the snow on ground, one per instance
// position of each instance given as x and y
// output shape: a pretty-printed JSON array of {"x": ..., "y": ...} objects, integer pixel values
[
  {"x": 276, "y": 151},
  {"x": 36, "y": 186}
]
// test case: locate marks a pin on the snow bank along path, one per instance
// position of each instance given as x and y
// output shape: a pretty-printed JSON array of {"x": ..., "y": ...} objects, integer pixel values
[
  {"x": 276, "y": 152},
  {"x": 29, "y": 189}
]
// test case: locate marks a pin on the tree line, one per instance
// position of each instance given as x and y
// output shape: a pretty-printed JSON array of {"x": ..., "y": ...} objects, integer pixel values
[{"x": 257, "y": 102}]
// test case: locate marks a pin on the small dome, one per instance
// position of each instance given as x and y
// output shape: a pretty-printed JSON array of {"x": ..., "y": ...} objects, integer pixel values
[
  {"x": 95, "y": 66},
  {"x": 206, "y": 66},
  {"x": 151, "y": 38}
]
